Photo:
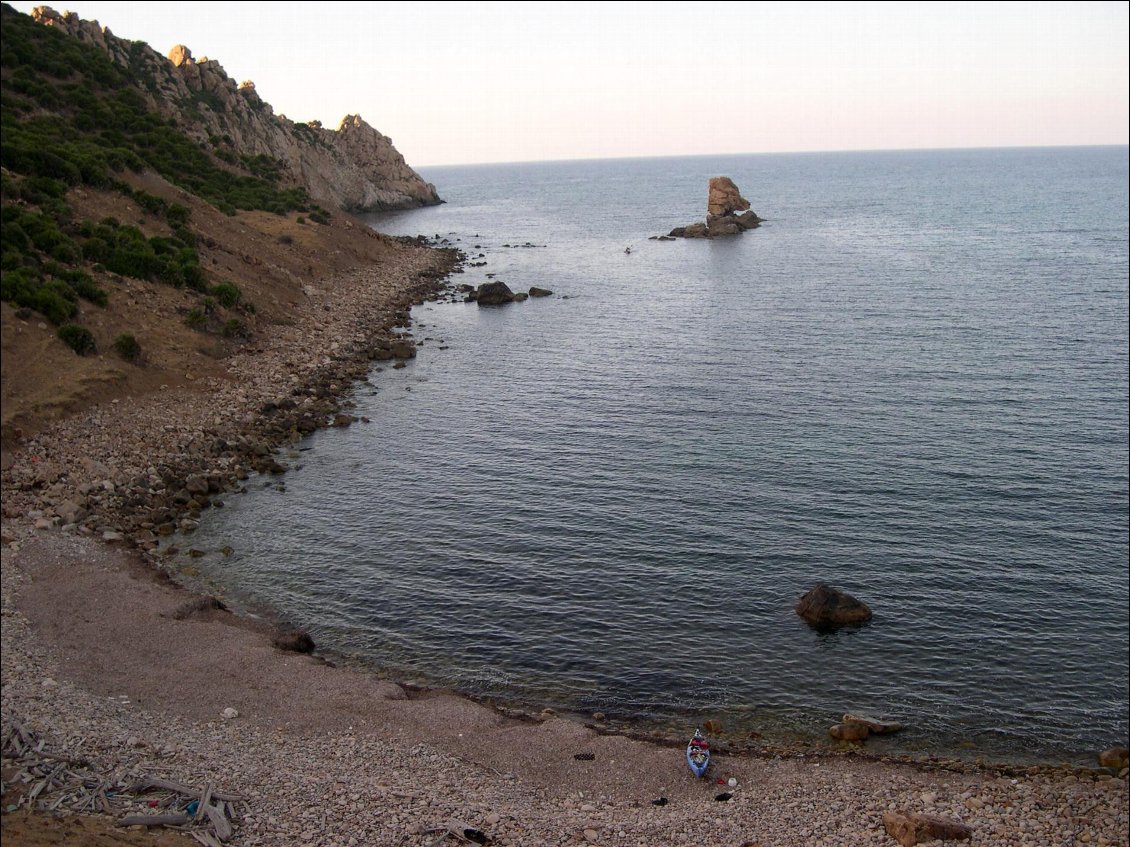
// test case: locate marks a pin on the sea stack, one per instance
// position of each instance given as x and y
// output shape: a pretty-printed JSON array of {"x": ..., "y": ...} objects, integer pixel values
[{"x": 724, "y": 202}]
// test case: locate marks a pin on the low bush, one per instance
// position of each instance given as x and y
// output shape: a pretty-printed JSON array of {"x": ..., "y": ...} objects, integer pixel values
[
  {"x": 127, "y": 347},
  {"x": 226, "y": 293},
  {"x": 78, "y": 338}
]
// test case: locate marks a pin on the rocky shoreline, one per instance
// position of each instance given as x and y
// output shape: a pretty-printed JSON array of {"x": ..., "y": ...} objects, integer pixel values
[{"x": 109, "y": 665}]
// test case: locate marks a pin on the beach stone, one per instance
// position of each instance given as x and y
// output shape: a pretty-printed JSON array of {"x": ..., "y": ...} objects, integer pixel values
[
  {"x": 539, "y": 292},
  {"x": 1115, "y": 757},
  {"x": 917, "y": 828},
  {"x": 825, "y": 606}
]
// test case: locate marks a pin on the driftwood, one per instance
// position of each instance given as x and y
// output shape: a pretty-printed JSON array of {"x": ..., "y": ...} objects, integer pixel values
[
  {"x": 153, "y": 820},
  {"x": 220, "y": 823},
  {"x": 154, "y": 783},
  {"x": 62, "y": 782}
]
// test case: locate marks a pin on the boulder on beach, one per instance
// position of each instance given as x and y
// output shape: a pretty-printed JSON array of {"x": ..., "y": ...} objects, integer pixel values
[
  {"x": 916, "y": 828},
  {"x": 295, "y": 641},
  {"x": 824, "y": 606},
  {"x": 494, "y": 294}
]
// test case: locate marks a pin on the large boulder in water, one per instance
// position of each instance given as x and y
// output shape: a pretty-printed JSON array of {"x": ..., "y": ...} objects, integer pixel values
[
  {"x": 824, "y": 606},
  {"x": 494, "y": 294}
]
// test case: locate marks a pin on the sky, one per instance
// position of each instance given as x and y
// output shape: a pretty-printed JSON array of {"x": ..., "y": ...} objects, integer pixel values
[{"x": 460, "y": 83}]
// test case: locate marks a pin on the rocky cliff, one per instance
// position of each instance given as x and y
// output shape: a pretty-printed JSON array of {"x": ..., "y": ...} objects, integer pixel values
[{"x": 354, "y": 167}]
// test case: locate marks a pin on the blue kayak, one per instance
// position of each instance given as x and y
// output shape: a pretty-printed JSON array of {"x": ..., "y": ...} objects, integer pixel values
[{"x": 698, "y": 754}]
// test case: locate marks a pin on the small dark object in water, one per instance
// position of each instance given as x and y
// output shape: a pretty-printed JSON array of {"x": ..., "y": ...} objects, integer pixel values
[
  {"x": 723, "y": 797},
  {"x": 584, "y": 757},
  {"x": 662, "y": 801}
]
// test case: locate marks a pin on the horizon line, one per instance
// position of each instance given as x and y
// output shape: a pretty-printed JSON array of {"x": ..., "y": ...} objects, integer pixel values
[{"x": 770, "y": 153}]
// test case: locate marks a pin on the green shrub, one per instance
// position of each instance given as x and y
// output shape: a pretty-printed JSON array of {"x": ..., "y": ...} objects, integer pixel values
[
  {"x": 78, "y": 338},
  {"x": 320, "y": 216},
  {"x": 195, "y": 318},
  {"x": 177, "y": 215},
  {"x": 126, "y": 346},
  {"x": 227, "y": 294},
  {"x": 286, "y": 239},
  {"x": 53, "y": 303}
]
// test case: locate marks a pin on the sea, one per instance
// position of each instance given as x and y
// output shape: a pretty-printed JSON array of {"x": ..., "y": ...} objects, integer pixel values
[{"x": 910, "y": 383}]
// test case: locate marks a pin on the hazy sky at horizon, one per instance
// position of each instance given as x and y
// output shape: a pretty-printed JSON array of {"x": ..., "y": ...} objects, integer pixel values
[{"x": 497, "y": 82}]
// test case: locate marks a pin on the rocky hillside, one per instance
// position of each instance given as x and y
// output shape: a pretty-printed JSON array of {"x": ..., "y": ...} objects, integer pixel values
[
  {"x": 353, "y": 168},
  {"x": 156, "y": 220}
]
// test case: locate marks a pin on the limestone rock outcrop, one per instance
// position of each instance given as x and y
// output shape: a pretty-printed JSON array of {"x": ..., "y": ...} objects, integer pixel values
[
  {"x": 724, "y": 202},
  {"x": 355, "y": 168},
  {"x": 724, "y": 198}
]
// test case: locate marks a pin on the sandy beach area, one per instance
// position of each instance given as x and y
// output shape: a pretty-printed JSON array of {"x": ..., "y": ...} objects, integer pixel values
[{"x": 114, "y": 676}]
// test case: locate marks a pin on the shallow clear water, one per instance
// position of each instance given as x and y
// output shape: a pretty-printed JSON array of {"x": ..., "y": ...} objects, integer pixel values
[{"x": 911, "y": 383}]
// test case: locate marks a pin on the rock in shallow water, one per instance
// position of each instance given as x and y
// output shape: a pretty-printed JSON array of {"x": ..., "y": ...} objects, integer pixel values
[
  {"x": 494, "y": 294},
  {"x": 824, "y": 606}
]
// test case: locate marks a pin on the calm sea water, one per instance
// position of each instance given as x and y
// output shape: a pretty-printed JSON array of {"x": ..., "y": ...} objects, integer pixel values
[{"x": 911, "y": 383}]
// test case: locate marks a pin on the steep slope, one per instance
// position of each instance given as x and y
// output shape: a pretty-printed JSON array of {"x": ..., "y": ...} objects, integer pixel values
[
  {"x": 354, "y": 168},
  {"x": 152, "y": 254}
]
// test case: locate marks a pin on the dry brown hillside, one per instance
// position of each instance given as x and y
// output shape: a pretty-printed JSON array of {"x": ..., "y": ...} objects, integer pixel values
[{"x": 269, "y": 257}]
